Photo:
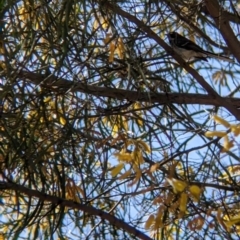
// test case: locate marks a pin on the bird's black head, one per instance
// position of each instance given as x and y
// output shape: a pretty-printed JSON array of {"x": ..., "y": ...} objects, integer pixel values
[{"x": 172, "y": 35}]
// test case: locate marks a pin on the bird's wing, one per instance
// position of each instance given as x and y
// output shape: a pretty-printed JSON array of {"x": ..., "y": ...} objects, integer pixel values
[{"x": 188, "y": 44}]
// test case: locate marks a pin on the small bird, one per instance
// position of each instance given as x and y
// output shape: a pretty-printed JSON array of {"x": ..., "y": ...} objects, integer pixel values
[{"x": 189, "y": 50}]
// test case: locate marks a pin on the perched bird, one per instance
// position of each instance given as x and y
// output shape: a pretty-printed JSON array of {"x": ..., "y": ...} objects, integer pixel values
[{"x": 189, "y": 50}]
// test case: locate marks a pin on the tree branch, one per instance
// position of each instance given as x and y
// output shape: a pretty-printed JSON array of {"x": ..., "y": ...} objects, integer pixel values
[
  {"x": 57, "y": 84},
  {"x": 222, "y": 23},
  {"x": 74, "y": 205}
]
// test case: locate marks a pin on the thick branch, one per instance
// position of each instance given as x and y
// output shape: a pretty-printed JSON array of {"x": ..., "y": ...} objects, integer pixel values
[
  {"x": 120, "y": 94},
  {"x": 222, "y": 23},
  {"x": 74, "y": 205}
]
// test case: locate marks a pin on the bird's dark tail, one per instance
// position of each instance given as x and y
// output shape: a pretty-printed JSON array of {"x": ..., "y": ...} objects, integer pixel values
[{"x": 213, "y": 55}]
